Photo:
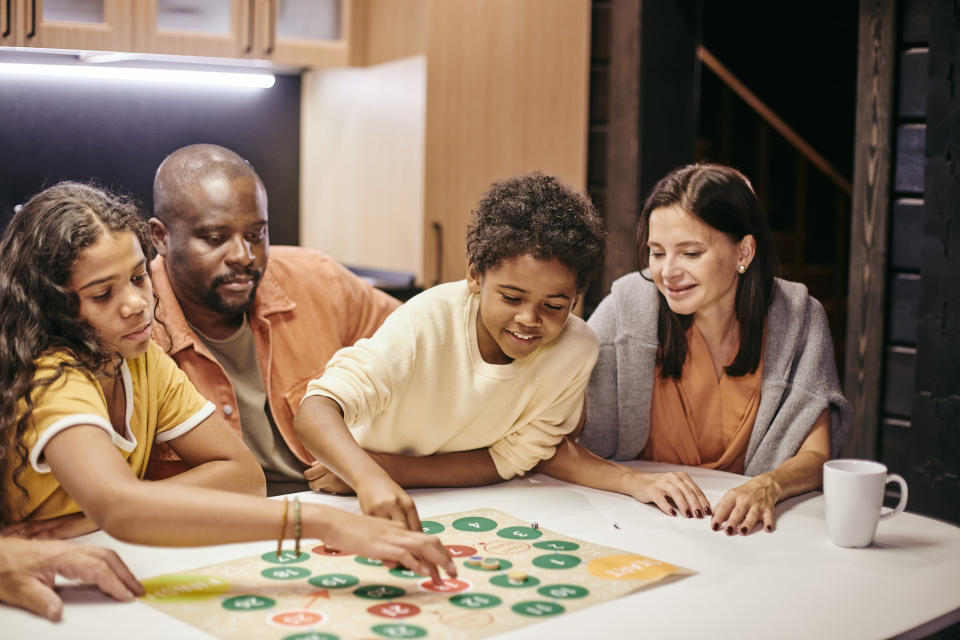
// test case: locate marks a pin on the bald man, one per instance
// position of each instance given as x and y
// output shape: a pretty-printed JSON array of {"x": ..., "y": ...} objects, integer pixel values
[{"x": 250, "y": 326}]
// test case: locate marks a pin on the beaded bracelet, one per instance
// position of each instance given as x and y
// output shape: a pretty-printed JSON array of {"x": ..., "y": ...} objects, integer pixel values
[
  {"x": 296, "y": 524},
  {"x": 283, "y": 529}
]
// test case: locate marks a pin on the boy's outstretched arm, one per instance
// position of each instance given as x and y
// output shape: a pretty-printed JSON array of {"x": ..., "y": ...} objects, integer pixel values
[
  {"x": 461, "y": 469},
  {"x": 319, "y": 425}
]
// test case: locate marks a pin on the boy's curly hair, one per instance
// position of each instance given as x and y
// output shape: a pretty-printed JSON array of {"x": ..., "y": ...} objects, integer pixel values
[{"x": 537, "y": 215}]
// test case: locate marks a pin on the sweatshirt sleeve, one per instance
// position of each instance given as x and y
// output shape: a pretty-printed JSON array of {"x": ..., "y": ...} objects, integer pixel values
[{"x": 537, "y": 438}]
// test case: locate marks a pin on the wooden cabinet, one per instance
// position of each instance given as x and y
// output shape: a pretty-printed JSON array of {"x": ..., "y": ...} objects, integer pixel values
[
  {"x": 305, "y": 33},
  {"x": 67, "y": 24}
]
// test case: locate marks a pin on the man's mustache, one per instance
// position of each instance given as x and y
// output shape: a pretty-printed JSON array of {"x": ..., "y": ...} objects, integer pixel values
[{"x": 251, "y": 272}]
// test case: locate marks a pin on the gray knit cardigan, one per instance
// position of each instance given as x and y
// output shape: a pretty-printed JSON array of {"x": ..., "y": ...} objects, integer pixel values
[{"x": 799, "y": 375}]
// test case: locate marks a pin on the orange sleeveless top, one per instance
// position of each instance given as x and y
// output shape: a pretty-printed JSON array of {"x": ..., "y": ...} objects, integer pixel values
[{"x": 698, "y": 420}]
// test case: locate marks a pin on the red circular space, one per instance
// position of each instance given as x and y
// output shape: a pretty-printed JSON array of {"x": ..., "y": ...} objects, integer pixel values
[
  {"x": 449, "y": 585},
  {"x": 394, "y": 610},
  {"x": 460, "y": 550},
  {"x": 324, "y": 550}
]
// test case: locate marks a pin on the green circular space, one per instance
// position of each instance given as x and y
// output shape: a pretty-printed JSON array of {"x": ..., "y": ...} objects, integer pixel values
[
  {"x": 312, "y": 635},
  {"x": 399, "y": 630},
  {"x": 537, "y": 608},
  {"x": 248, "y": 603},
  {"x": 556, "y": 561},
  {"x": 475, "y": 600},
  {"x": 379, "y": 592},
  {"x": 519, "y": 533},
  {"x": 475, "y": 523},
  {"x": 405, "y": 573},
  {"x": 431, "y": 527},
  {"x": 334, "y": 581},
  {"x": 562, "y": 591},
  {"x": 285, "y": 573},
  {"x": 373, "y": 562},
  {"x": 503, "y": 581},
  {"x": 504, "y": 565},
  {"x": 286, "y": 557},
  {"x": 556, "y": 545}
]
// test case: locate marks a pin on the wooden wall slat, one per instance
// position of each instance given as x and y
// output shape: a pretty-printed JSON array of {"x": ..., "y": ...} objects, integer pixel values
[{"x": 876, "y": 58}]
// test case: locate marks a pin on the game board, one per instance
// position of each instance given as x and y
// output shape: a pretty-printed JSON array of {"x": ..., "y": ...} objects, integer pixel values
[{"x": 327, "y": 595}]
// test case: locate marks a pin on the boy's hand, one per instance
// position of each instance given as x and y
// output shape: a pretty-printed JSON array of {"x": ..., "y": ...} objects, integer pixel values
[
  {"x": 320, "y": 478},
  {"x": 390, "y": 542},
  {"x": 382, "y": 497}
]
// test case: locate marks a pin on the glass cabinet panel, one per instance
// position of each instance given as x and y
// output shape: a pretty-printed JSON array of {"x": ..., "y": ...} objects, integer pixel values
[
  {"x": 90, "y": 11},
  {"x": 308, "y": 20},
  {"x": 194, "y": 16}
]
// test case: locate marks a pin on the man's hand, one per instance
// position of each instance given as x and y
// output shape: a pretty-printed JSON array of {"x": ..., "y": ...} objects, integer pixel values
[{"x": 28, "y": 569}]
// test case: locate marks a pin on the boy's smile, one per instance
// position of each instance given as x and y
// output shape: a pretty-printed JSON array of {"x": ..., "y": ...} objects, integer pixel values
[{"x": 524, "y": 304}]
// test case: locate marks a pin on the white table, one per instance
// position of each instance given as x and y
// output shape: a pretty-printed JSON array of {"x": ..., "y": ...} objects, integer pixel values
[{"x": 792, "y": 583}]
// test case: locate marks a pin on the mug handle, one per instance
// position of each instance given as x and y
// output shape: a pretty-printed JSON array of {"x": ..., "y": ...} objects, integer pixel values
[{"x": 894, "y": 477}]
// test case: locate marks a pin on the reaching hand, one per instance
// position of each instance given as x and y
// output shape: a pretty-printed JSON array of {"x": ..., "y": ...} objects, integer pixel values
[
  {"x": 320, "y": 478},
  {"x": 29, "y": 567},
  {"x": 60, "y": 528},
  {"x": 390, "y": 542},
  {"x": 674, "y": 492},
  {"x": 380, "y": 496},
  {"x": 741, "y": 508}
]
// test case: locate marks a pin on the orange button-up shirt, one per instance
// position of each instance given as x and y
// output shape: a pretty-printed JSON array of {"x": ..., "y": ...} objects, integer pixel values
[
  {"x": 306, "y": 308},
  {"x": 698, "y": 420}
]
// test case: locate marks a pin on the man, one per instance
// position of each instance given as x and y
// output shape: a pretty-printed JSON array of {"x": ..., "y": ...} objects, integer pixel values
[{"x": 249, "y": 333}]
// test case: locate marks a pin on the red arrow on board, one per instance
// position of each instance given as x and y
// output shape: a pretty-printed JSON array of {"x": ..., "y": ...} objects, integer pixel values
[{"x": 320, "y": 593}]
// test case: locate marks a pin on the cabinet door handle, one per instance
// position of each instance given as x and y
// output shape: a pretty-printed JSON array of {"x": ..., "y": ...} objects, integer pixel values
[
  {"x": 8, "y": 22},
  {"x": 251, "y": 15},
  {"x": 33, "y": 19},
  {"x": 438, "y": 233},
  {"x": 272, "y": 26}
]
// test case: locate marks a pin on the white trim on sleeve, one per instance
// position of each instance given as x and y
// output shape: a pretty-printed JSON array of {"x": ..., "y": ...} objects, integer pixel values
[
  {"x": 62, "y": 424},
  {"x": 186, "y": 425}
]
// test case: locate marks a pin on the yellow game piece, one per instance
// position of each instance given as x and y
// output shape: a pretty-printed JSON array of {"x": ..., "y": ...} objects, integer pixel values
[
  {"x": 516, "y": 577},
  {"x": 491, "y": 564},
  {"x": 474, "y": 561}
]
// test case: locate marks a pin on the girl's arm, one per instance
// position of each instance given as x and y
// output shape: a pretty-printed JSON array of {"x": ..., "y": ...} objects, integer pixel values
[
  {"x": 165, "y": 514},
  {"x": 319, "y": 425},
  {"x": 743, "y": 507}
]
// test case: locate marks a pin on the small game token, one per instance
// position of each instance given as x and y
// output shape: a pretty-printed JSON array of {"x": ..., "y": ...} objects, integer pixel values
[
  {"x": 516, "y": 577},
  {"x": 534, "y": 525},
  {"x": 474, "y": 561},
  {"x": 490, "y": 564}
]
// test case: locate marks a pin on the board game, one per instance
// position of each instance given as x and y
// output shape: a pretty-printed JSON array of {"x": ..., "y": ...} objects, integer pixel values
[{"x": 511, "y": 573}]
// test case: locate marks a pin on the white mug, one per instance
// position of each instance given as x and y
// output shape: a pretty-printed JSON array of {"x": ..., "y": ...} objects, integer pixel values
[{"x": 853, "y": 492}]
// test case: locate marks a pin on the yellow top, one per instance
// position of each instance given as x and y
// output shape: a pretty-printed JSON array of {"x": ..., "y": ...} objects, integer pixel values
[
  {"x": 161, "y": 404},
  {"x": 698, "y": 420}
]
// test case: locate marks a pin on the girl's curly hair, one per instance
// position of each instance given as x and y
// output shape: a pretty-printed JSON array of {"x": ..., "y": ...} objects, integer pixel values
[
  {"x": 39, "y": 314},
  {"x": 537, "y": 215}
]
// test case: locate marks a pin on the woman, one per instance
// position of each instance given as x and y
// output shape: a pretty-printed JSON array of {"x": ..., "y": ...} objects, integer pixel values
[{"x": 708, "y": 360}]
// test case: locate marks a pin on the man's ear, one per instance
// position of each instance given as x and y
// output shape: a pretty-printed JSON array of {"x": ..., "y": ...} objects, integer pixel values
[
  {"x": 474, "y": 278},
  {"x": 158, "y": 235}
]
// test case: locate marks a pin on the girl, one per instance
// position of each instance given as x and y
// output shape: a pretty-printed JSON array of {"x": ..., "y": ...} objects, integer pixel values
[
  {"x": 85, "y": 394},
  {"x": 725, "y": 366}
]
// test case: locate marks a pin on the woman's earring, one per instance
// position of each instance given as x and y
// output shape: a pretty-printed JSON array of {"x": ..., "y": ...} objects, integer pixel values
[{"x": 741, "y": 269}]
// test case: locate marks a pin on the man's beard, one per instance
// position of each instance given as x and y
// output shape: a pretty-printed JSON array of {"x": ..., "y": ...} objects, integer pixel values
[{"x": 215, "y": 302}]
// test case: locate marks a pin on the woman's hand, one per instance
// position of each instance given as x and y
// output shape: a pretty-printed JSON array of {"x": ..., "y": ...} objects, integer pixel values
[
  {"x": 28, "y": 569},
  {"x": 390, "y": 542},
  {"x": 320, "y": 478},
  {"x": 673, "y": 492},
  {"x": 59, "y": 528},
  {"x": 741, "y": 508}
]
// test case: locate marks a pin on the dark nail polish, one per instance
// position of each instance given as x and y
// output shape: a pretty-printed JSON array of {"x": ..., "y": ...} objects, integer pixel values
[
  {"x": 769, "y": 528},
  {"x": 699, "y": 513},
  {"x": 708, "y": 511},
  {"x": 716, "y": 526},
  {"x": 729, "y": 531},
  {"x": 689, "y": 515},
  {"x": 743, "y": 531},
  {"x": 673, "y": 512}
]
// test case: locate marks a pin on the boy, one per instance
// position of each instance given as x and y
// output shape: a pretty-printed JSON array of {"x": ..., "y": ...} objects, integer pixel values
[{"x": 470, "y": 382}]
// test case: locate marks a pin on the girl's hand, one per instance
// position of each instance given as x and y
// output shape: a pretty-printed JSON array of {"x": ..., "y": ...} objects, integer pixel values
[
  {"x": 389, "y": 541},
  {"x": 320, "y": 478},
  {"x": 28, "y": 569},
  {"x": 674, "y": 492},
  {"x": 60, "y": 528},
  {"x": 380, "y": 496},
  {"x": 743, "y": 507}
]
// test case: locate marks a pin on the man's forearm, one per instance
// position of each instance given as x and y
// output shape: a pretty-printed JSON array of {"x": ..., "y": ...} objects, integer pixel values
[{"x": 462, "y": 469}]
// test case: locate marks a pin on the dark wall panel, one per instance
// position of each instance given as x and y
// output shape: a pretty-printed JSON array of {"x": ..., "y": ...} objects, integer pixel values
[
  {"x": 912, "y": 99},
  {"x": 117, "y": 134},
  {"x": 908, "y": 219},
  {"x": 910, "y": 160}
]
